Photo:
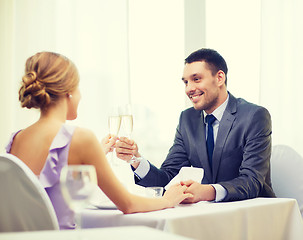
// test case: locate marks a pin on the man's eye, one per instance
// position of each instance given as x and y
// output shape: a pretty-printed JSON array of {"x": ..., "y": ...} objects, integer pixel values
[{"x": 196, "y": 79}]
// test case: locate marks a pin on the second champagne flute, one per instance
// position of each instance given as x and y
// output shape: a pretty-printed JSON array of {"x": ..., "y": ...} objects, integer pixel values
[{"x": 127, "y": 124}]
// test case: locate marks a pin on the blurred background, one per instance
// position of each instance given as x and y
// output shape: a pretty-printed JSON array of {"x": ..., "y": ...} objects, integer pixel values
[{"x": 132, "y": 51}]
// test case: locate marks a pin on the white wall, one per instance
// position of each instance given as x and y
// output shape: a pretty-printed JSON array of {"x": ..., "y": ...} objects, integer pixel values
[
  {"x": 156, "y": 37},
  {"x": 281, "y": 74},
  {"x": 233, "y": 28},
  {"x": 6, "y": 71}
]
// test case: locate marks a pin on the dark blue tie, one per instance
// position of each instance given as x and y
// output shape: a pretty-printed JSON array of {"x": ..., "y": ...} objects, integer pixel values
[{"x": 210, "y": 137}]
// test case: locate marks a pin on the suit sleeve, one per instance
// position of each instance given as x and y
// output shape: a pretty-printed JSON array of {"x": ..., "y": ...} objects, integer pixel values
[{"x": 254, "y": 173}]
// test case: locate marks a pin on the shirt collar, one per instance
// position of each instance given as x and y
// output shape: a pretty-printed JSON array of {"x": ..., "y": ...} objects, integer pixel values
[{"x": 218, "y": 112}]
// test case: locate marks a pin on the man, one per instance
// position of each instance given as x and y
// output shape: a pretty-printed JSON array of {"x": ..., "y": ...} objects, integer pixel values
[{"x": 234, "y": 149}]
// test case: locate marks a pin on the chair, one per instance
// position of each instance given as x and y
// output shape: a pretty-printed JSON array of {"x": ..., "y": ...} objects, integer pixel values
[
  {"x": 24, "y": 203},
  {"x": 287, "y": 173}
]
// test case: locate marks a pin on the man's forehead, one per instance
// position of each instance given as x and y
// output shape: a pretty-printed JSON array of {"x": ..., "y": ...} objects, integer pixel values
[
  {"x": 194, "y": 68},
  {"x": 196, "y": 64}
]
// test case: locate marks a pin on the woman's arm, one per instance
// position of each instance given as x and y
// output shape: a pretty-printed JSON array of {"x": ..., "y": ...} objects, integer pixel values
[{"x": 86, "y": 149}]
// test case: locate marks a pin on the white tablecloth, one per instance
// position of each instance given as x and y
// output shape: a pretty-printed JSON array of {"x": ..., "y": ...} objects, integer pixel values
[
  {"x": 133, "y": 233},
  {"x": 260, "y": 218}
]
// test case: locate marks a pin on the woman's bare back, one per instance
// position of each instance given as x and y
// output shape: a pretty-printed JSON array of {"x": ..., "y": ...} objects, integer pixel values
[{"x": 32, "y": 144}]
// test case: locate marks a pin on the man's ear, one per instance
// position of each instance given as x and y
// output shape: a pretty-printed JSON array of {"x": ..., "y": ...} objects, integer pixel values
[{"x": 221, "y": 77}]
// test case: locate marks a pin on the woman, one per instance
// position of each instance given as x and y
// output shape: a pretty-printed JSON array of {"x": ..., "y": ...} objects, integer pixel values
[{"x": 51, "y": 84}]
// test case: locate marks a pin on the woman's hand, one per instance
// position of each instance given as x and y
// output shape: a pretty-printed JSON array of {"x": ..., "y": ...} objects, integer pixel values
[
  {"x": 108, "y": 143},
  {"x": 176, "y": 194},
  {"x": 200, "y": 192}
]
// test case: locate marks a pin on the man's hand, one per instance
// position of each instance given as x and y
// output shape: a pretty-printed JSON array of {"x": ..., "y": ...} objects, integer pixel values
[
  {"x": 126, "y": 149},
  {"x": 200, "y": 192}
]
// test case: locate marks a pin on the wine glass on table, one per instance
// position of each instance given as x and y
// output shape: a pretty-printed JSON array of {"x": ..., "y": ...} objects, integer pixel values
[
  {"x": 114, "y": 122},
  {"x": 127, "y": 125},
  {"x": 77, "y": 183}
]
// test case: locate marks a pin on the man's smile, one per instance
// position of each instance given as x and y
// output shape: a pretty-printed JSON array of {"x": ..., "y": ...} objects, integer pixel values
[{"x": 196, "y": 96}]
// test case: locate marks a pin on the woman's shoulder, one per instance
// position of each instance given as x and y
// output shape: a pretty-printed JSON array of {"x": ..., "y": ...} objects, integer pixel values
[
  {"x": 84, "y": 137},
  {"x": 83, "y": 143},
  {"x": 84, "y": 133}
]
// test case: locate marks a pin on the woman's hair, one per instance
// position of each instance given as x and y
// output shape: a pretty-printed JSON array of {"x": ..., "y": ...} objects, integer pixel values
[{"x": 48, "y": 77}]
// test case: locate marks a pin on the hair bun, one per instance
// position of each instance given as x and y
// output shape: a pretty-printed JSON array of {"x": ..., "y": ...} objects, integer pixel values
[
  {"x": 32, "y": 93},
  {"x": 29, "y": 78}
]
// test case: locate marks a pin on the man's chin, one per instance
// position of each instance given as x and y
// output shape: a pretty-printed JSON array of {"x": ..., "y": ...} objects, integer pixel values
[{"x": 198, "y": 107}]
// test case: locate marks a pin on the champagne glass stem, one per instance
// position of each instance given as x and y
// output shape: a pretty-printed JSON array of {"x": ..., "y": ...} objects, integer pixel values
[
  {"x": 112, "y": 158},
  {"x": 78, "y": 219},
  {"x": 78, "y": 227}
]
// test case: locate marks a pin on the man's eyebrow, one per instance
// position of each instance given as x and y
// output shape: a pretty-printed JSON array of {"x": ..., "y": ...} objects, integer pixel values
[
  {"x": 191, "y": 76},
  {"x": 194, "y": 75}
]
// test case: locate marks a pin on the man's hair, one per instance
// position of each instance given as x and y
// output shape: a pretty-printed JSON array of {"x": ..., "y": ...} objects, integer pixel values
[{"x": 214, "y": 60}]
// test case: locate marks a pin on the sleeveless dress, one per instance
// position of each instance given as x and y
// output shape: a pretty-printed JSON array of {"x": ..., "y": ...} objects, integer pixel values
[{"x": 50, "y": 174}]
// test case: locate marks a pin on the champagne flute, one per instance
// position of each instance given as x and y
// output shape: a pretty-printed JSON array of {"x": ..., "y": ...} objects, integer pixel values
[
  {"x": 114, "y": 122},
  {"x": 77, "y": 183},
  {"x": 127, "y": 125}
]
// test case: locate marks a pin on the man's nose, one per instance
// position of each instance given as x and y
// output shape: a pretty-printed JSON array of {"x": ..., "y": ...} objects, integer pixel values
[{"x": 190, "y": 87}]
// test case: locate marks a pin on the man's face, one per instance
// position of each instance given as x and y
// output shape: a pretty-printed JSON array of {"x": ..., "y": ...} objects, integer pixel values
[{"x": 201, "y": 86}]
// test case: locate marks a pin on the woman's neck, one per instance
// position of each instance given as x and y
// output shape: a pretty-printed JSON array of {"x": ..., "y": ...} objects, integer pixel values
[{"x": 55, "y": 113}]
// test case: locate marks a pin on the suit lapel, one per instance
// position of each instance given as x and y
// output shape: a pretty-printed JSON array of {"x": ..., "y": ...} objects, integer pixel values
[{"x": 223, "y": 132}]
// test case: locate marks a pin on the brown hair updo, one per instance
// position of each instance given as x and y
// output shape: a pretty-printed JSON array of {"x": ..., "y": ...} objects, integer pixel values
[{"x": 48, "y": 77}]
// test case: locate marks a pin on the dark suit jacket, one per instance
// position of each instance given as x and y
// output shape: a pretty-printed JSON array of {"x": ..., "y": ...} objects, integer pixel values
[{"x": 241, "y": 157}]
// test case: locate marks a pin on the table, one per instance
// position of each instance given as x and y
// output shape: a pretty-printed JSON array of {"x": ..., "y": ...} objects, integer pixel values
[
  {"x": 134, "y": 233},
  {"x": 259, "y": 218}
]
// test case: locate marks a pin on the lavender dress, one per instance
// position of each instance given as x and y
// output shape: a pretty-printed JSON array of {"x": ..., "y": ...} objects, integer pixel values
[{"x": 50, "y": 174}]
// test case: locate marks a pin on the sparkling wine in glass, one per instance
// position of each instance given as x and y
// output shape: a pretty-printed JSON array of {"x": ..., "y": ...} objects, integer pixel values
[
  {"x": 114, "y": 122},
  {"x": 77, "y": 184},
  {"x": 127, "y": 125}
]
